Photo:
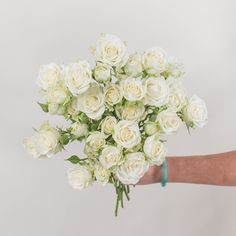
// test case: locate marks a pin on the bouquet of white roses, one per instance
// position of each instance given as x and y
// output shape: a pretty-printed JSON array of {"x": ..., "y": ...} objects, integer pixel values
[{"x": 120, "y": 109}]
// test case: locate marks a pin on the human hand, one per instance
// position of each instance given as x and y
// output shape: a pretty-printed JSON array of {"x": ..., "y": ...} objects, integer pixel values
[{"x": 153, "y": 175}]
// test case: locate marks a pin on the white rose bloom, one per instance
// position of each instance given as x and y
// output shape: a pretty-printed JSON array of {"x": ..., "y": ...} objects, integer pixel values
[
  {"x": 175, "y": 83},
  {"x": 154, "y": 61},
  {"x": 113, "y": 94},
  {"x": 134, "y": 65},
  {"x": 79, "y": 129},
  {"x": 157, "y": 91},
  {"x": 150, "y": 128},
  {"x": 108, "y": 124},
  {"x": 133, "y": 89},
  {"x": 177, "y": 99},
  {"x": 77, "y": 77},
  {"x": 175, "y": 69},
  {"x": 44, "y": 143},
  {"x": 56, "y": 109},
  {"x": 196, "y": 112},
  {"x": 102, "y": 175},
  {"x": 127, "y": 133},
  {"x": 177, "y": 94},
  {"x": 79, "y": 177},
  {"x": 71, "y": 108},
  {"x": 133, "y": 168},
  {"x": 131, "y": 111},
  {"x": 110, "y": 50},
  {"x": 110, "y": 156},
  {"x": 96, "y": 140},
  {"x": 169, "y": 121},
  {"x": 49, "y": 75},
  {"x": 102, "y": 72},
  {"x": 91, "y": 102},
  {"x": 57, "y": 94},
  {"x": 155, "y": 150}
]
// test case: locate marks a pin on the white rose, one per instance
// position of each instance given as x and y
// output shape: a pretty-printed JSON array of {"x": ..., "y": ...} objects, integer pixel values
[
  {"x": 127, "y": 133},
  {"x": 150, "y": 128},
  {"x": 91, "y": 102},
  {"x": 174, "y": 68},
  {"x": 155, "y": 150},
  {"x": 56, "y": 109},
  {"x": 196, "y": 112},
  {"x": 133, "y": 168},
  {"x": 157, "y": 91},
  {"x": 177, "y": 99},
  {"x": 131, "y": 111},
  {"x": 102, "y": 175},
  {"x": 57, "y": 94},
  {"x": 113, "y": 94},
  {"x": 71, "y": 108},
  {"x": 154, "y": 61},
  {"x": 79, "y": 129},
  {"x": 175, "y": 83},
  {"x": 44, "y": 143},
  {"x": 108, "y": 124},
  {"x": 133, "y": 89},
  {"x": 177, "y": 94},
  {"x": 110, "y": 50},
  {"x": 95, "y": 142},
  {"x": 110, "y": 156},
  {"x": 49, "y": 75},
  {"x": 79, "y": 177},
  {"x": 77, "y": 77},
  {"x": 169, "y": 121},
  {"x": 134, "y": 65},
  {"x": 102, "y": 72}
]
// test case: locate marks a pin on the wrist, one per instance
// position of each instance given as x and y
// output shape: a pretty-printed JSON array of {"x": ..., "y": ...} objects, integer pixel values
[{"x": 171, "y": 169}]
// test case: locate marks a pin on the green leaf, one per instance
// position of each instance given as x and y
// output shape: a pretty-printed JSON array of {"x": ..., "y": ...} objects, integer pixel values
[
  {"x": 64, "y": 139},
  {"x": 43, "y": 106},
  {"x": 83, "y": 118},
  {"x": 111, "y": 181},
  {"x": 189, "y": 125},
  {"x": 94, "y": 126},
  {"x": 74, "y": 159}
]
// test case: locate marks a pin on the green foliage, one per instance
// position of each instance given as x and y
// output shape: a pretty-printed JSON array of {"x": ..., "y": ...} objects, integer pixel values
[
  {"x": 94, "y": 126},
  {"x": 83, "y": 118},
  {"x": 64, "y": 139},
  {"x": 74, "y": 159},
  {"x": 43, "y": 106},
  {"x": 189, "y": 125}
]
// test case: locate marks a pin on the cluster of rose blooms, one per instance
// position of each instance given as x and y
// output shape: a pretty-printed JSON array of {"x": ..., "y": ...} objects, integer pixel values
[{"x": 120, "y": 108}]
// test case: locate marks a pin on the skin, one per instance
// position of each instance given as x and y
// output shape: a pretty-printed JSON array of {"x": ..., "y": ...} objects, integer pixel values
[{"x": 215, "y": 169}]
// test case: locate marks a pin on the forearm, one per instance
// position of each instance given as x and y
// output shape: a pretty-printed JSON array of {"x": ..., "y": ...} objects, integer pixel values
[{"x": 216, "y": 169}]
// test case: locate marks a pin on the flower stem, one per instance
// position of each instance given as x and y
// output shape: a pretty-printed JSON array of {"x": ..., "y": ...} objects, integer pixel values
[
  {"x": 121, "y": 196},
  {"x": 121, "y": 190},
  {"x": 117, "y": 205},
  {"x": 126, "y": 192}
]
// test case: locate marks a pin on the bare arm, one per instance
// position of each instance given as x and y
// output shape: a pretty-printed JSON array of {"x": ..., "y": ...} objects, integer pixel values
[{"x": 216, "y": 169}]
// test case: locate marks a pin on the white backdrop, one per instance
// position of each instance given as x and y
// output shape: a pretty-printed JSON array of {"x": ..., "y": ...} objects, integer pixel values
[{"x": 35, "y": 198}]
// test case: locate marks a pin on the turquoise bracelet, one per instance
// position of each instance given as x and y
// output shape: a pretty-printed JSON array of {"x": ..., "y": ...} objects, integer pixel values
[{"x": 164, "y": 174}]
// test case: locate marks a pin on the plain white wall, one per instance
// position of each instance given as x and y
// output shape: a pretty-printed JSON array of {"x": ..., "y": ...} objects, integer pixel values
[{"x": 35, "y": 198}]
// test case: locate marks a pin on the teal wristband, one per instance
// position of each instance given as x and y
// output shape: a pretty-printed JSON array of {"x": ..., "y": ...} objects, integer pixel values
[{"x": 164, "y": 174}]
